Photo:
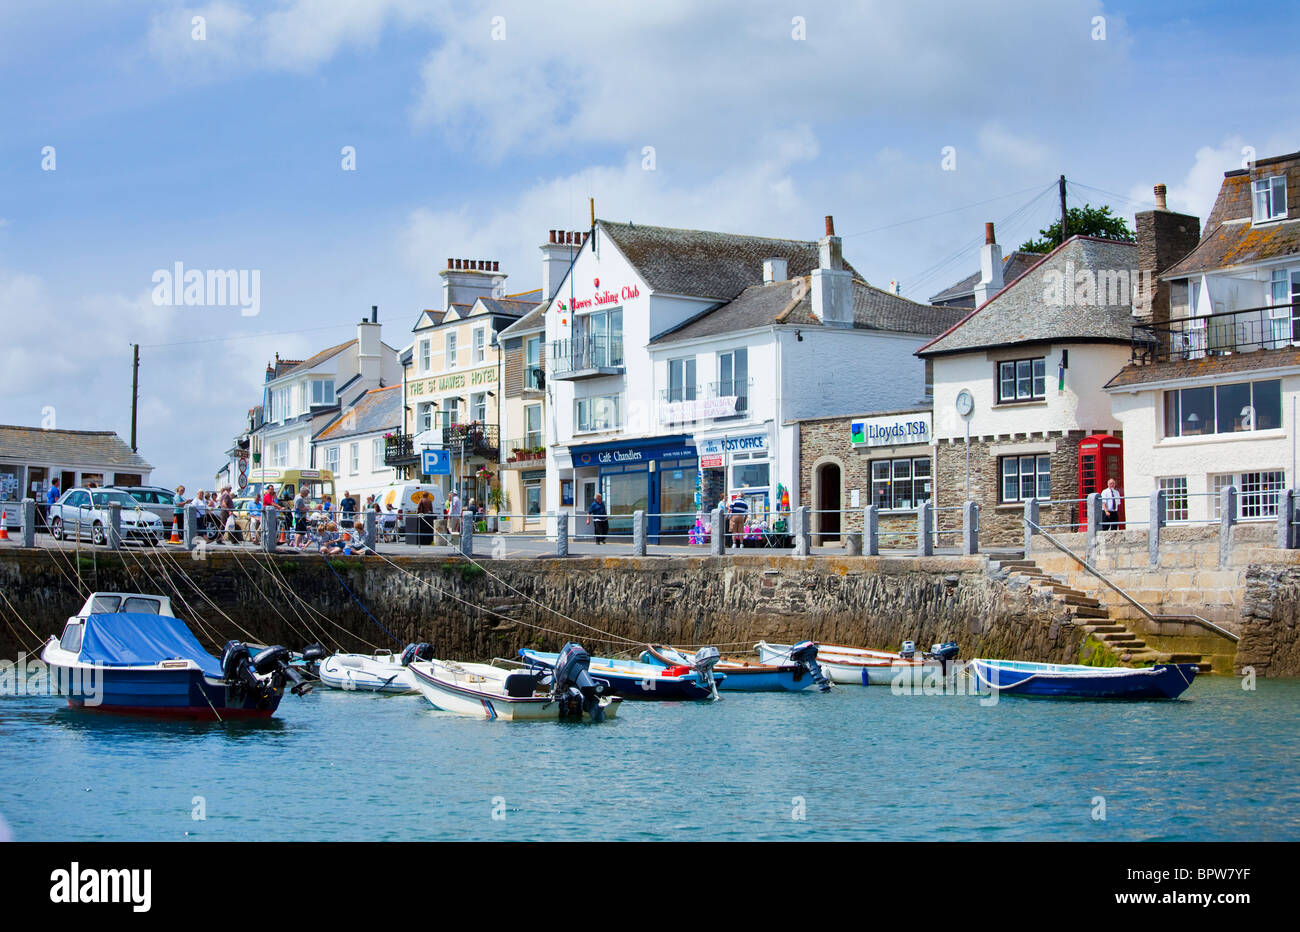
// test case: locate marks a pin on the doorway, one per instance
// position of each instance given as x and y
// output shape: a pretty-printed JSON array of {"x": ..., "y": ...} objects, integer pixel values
[{"x": 828, "y": 503}]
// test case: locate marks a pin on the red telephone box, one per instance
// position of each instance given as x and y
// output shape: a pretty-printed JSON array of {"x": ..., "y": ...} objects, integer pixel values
[{"x": 1101, "y": 458}]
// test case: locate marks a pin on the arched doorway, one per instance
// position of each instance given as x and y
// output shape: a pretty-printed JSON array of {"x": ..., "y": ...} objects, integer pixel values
[{"x": 827, "y": 520}]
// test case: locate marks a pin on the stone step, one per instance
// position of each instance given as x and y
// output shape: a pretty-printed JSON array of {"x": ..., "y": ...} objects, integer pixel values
[
  {"x": 1105, "y": 629},
  {"x": 1113, "y": 637},
  {"x": 1088, "y": 611},
  {"x": 1129, "y": 647},
  {"x": 1184, "y": 658},
  {"x": 1009, "y": 564},
  {"x": 1082, "y": 600}
]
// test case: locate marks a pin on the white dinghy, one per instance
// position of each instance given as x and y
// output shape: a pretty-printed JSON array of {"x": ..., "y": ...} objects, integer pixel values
[
  {"x": 380, "y": 672},
  {"x": 864, "y": 666}
]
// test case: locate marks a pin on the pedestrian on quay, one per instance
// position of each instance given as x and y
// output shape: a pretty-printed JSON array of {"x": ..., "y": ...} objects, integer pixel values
[
  {"x": 178, "y": 506},
  {"x": 300, "y": 520},
  {"x": 739, "y": 512},
  {"x": 598, "y": 511},
  {"x": 51, "y": 498},
  {"x": 200, "y": 503},
  {"x": 357, "y": 546},
  {"x": 347, "y": 507},
  {"x": 453, "y": 513},
  {"x": 424, "y": 512},
  {"x": 226, "y": 513},
  {"x": 1111, "y": 499}
]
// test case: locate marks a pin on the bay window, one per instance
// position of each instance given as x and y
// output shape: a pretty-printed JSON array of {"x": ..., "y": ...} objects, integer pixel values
[{"x": 1223, "y": 409}]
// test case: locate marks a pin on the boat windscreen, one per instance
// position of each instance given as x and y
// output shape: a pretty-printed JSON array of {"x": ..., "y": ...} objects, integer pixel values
[
  {"x": 105, "y": 603},
  {"x": 143, "y": 606}
]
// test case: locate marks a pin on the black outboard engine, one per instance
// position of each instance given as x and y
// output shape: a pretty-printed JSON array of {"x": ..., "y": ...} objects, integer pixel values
[
  {"x": 237, "y": 667},
  {"x": 312, "y": 655},
  {"x": 274, "y": 661},
  {"x": 805, "y": 652},
  {"x": 414, "y": 652},
  {"x": 945, "y": 653},
  {"x": 705, "y": 659},
  {"x": 572, "y": 686}
]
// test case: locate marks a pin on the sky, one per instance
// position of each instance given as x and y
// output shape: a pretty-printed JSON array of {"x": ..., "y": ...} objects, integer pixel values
[{"x": 343, "y": 149}]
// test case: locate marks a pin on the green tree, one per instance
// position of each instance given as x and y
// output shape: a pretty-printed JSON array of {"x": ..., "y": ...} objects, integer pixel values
[{"x": 1086, "y": 221}]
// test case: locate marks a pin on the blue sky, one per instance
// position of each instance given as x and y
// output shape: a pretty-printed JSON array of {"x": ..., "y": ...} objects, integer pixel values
[{"x": 226, "y": 153}]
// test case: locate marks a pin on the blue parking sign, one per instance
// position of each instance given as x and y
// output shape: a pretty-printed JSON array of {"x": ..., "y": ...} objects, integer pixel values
[{"x": 435, "y": 462}]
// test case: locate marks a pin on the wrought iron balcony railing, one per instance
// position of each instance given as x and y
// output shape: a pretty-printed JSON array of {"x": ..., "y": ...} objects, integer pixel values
[
  {"x": 399, "y": 450},
  {"x": 1242, "y": 331},
  {"x": 472, "y": 439}
]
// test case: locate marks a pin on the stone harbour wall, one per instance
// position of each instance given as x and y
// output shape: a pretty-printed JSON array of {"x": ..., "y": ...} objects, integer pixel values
[{"x": 732, "y": 602}]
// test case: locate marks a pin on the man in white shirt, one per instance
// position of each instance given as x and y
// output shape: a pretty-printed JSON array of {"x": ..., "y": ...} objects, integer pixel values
[
  {"x": 453, "y": 513},
  {"x": 1110, "y": 502}
]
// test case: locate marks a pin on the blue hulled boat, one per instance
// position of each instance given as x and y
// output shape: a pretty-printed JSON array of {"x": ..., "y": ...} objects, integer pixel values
[
  {"x": 1072, "y": 681},
  {"x": 127, "y": 653},
  {"x": 740, "y": 676},
  {"x": 634, "y": 680}
]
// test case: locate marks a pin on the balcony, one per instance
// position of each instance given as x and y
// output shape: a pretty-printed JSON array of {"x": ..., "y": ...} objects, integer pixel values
[
  {"x": 525, "y": 453},
  {"x": 473, "y": 439},
  {"x": 399, "y": 450},
  {"x": 718, "y": 401},
  {"x": 1190, "y": 338},
  {"x": 586, "y": 357}
]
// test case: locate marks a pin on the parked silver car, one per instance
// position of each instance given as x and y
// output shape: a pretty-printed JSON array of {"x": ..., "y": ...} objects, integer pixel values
[
  {"x": 84, "y": 513},
  {"x": 154, "y": 498}
]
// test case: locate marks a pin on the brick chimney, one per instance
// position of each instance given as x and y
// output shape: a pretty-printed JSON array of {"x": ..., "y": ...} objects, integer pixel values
[
  {"x": 557, "y": 254},
  {"x": 369, "y": 349},
  {"x": 990, "y": 282},
  {"x": 1163, "y": 238},
  {"x": 832, "y": 284},
  {"x": 464, "y": 281}
]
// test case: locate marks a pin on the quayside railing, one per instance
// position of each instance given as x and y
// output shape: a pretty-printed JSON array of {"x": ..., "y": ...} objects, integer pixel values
[{"x": 1124, "y": 594}]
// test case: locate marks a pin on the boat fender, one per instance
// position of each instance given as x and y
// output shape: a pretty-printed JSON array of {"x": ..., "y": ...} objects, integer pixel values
[{"x": 805, "y": 653}]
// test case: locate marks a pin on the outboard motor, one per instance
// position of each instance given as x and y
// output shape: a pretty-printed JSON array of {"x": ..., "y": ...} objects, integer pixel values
[
  {"x": 274, "y": 662},
  {"x": 414, "y": 652},
  {"x": 312, "y": 655},
  {"x": 908, "y": 650},
  {"x": 572, "y": 686},
  {"x": 237, "y": 667},
  {"x": 805, "y": 653},
  {"x": 705, "y": 659},
  {"x": 945, "y": 653}
]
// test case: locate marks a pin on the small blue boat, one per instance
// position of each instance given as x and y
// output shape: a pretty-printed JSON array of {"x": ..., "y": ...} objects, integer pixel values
[
  {"x": 739, "y": 676},
  {"x": 127, "y": 653},
  {"x": 1073, "y": 681},
  {"x": 632, "y": 679}
]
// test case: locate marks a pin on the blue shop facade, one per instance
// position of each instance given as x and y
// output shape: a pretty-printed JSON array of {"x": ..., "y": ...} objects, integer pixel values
[{"x": 657, "y": 475}]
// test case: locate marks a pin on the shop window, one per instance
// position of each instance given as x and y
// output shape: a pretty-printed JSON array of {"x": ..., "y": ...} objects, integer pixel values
[
  {"x": 1022, "y": 380},
  {"x": 1026, "y": 477},
  {"x": 900, "y": 483},
  {"x": 750, "y": 476}
]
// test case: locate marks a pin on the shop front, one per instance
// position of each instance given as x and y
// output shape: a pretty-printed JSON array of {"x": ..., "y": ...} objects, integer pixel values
[
  {"x": 657, "y": 475},
  {"x": 740, "y": 465}
]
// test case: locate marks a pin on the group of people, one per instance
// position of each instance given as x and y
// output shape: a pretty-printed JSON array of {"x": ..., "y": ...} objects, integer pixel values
[
  {"x": 214, "y": 513},
  {"x": 434, "y": 522}
]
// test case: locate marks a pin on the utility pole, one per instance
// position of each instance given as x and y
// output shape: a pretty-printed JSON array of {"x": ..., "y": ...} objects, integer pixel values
[
  {"x": 135, "y": 390},
  {"x": 1064, "y": 232}
]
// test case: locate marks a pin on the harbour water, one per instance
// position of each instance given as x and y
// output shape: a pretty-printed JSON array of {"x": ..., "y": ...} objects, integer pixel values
[{"x": 854, "y": 764}]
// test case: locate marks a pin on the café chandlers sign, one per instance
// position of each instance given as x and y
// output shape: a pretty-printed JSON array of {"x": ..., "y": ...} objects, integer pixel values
[
  {"x": 891, "y": 430},
  {"x": 454, "y": 381}
]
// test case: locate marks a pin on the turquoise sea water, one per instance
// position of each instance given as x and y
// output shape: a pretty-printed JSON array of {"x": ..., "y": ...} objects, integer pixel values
[{"x": 856, "y": 764}]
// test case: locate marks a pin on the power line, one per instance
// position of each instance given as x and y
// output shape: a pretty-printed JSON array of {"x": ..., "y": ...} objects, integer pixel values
[
  {"x": 941, "y": 213},
  {"x": 1122, "y": 197}
]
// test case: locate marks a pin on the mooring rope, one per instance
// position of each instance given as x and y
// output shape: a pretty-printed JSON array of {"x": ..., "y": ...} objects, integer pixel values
[{"x": 354, "y": 598}]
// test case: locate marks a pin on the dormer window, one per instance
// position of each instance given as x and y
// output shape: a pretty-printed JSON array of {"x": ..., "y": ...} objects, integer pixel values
[
  {"x": 1270, "y": 199},
  {"x": 322, "y": 392}
]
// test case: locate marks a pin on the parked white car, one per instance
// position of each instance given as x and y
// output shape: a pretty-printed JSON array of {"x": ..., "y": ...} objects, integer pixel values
[{"x": 84, "y": 513}]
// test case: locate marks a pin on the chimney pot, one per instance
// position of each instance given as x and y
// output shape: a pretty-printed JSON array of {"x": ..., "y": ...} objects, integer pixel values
[
  {"x": 552, "y": 236},
  {"x": 449, "y": 263},
  {"x": 989, "y": 238},
  {"x": 1160, "y": 197},
  {"x": 374, "y": 313},
  {"x": 830, "y": 225},
  {"x": 496, "y": 265}
]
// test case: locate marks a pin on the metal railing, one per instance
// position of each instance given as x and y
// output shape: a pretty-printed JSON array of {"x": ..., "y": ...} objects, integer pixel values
[
  {"x": 585, "y": 353},
  {"x": 399, "y": 450},
  {"x": 1126, "y": 596},
  {"x": 523, "y": 451},
  {"x": 472, "y": 439},
  {"x": 1186, "y": 338}
]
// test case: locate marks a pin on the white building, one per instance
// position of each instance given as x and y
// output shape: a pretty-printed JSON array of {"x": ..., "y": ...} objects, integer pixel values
[
  {"x": 352, "y": 446},
  {"x": 678, "y": 360},
  {"x": 1210, "y": 397},
  {"x": 301, "y": 398}
]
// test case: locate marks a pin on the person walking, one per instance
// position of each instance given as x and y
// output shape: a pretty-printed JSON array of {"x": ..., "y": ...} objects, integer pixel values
[
  {"x": 739, "y": 509},
  {"x": 1111, "y": 499},
  {"x": 347, "y": 508},
  {"x": 453, "y": 513},
  {"x": 596, "y": 510}
]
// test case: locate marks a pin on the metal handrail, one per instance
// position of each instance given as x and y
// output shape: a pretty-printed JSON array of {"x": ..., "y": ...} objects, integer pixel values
[{"x": 1125, "y": 595}]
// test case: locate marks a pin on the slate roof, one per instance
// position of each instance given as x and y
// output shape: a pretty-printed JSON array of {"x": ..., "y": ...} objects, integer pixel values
[
  {"x": 775, "y": 303},
  {"x": 1210, "y": 366},
  {"x": 532, "y": 322},
  {"x": 508, "y": 307},
  {"x": 67, "y": 448},
  {"x": 704, "y": 264},
  {"x": 1014, "y": 264},
  {"x": 1230, "y": 238},
  {"x": 377, "y": 409},
  {"x": 1020, "y": 312}
]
